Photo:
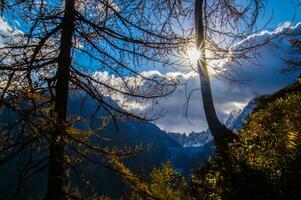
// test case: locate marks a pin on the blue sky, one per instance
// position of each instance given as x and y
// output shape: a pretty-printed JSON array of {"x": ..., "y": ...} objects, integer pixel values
[
  {"x": 264, "y": 78},
  {"x": 262, "y": 75},
  {"x": 280, "y": 11}
]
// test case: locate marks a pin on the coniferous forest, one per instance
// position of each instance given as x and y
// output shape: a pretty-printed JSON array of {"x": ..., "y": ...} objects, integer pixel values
[{"x": 150, "y": 99}]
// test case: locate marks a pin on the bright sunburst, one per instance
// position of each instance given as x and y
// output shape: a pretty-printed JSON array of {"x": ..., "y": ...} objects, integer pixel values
[{"x": 193, "y": 54}]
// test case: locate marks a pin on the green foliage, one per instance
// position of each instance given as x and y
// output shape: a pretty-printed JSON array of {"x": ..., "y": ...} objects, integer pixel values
[
  {"x": 165, "y": 184},
  {"x": 271, "y": 141},
  {"x": 208, "y": 182},
  {"x": 266, "y": 162}
]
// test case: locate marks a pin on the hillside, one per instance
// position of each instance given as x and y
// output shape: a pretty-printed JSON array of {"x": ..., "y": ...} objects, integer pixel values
[
  {"x": 266, "y": 161},
  {"x": 157, "y": 147}
]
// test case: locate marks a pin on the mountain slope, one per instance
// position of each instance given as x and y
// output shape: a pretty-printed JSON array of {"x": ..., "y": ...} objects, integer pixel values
[
  {"x": 129, "y": 133},
  {"x": 267, "y": 157}
]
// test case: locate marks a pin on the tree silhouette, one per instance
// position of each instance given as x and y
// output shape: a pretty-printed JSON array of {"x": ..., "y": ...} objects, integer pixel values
[{"x": 219, "y": 25}]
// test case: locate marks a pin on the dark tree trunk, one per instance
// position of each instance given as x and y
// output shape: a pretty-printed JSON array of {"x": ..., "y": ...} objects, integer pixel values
[
  {"x": 221, "y": 134},
  {"x": 57, "y": 160}
]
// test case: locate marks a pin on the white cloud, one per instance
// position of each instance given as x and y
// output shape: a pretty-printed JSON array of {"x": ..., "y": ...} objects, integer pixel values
[
  {"x": 264, "y": 77},
  {"x": 148, "y": 84},
  {"x": 5, "y": 32},
  {"x": 260, "y": 78}
]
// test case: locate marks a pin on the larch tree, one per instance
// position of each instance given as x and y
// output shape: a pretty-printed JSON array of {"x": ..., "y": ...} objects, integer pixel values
[
  {"x": 219, "y": 26},
  {"x": 55, "y": 52}
]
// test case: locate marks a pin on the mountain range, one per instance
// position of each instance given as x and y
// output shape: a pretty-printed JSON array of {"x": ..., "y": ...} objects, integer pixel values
[
  {"x": 234, "y": 121},
  {"x": 186, "y": 152}
]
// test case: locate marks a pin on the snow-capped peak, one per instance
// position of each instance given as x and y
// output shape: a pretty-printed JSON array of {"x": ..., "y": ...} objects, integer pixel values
[{"x": 234, "y": 121}]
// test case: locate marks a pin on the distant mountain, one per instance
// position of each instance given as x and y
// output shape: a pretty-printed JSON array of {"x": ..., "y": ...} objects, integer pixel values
[
  {"x": 129, "y": 133},
  {"x": 237, "y": 118},
  {"x": 186, "y": 152},
  {"x": 133, "y": 132},
  {"x": 193, "y": 139},
  {"x": 234, "y": 121}
]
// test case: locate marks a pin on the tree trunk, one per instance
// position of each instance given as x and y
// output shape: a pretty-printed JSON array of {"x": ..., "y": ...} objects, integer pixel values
[
  {"x": 221, "y": 134},
  {"x": 57, "y": 146}
]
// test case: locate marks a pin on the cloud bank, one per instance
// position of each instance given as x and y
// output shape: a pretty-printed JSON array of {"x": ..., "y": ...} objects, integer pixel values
[
  {"x": 257, "y": 76},
  {"x": 260, "y": 75}
]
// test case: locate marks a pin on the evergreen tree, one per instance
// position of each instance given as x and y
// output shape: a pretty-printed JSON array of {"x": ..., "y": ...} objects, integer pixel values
[{"x": 165, "y": 183}]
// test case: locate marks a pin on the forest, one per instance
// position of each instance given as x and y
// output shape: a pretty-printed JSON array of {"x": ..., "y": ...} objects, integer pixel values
[{"x": 150, "y": 99}]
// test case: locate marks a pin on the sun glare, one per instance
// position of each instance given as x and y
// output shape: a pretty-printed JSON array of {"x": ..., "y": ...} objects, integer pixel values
[{"x": 193, "y": 55}]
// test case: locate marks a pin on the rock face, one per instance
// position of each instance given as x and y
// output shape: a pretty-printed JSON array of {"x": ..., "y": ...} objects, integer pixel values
[
  {"x": 237, "y": 118},
  {"x": 234, "y": 121},
  {"x": 194, "y": 139}
]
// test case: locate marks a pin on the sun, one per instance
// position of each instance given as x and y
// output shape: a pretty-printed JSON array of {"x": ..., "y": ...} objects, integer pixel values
[{"x": 193, "y": 54}]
